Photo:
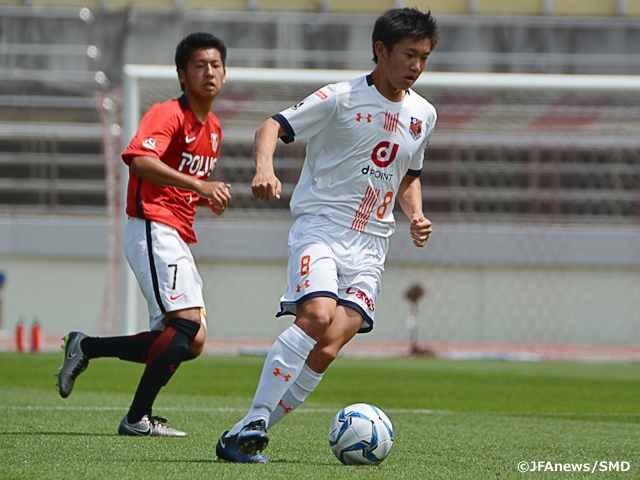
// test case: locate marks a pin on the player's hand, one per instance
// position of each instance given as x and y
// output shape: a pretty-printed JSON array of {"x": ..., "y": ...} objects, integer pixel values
[
  {"x": 266, "y": 186},
  {"x": 218, "y": 197},
  {"x": 420, "y": 230}
]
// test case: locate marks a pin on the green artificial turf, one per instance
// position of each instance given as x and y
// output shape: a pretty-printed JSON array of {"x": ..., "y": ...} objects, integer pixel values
[{"x": 452, "y": 420}]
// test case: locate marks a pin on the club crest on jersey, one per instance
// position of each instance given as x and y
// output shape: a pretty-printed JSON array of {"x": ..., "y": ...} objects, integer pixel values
[
  {"x": 415, "y": 128},
  {"x": 150, "y": 143},
  {"x": 214, "y": 142}
]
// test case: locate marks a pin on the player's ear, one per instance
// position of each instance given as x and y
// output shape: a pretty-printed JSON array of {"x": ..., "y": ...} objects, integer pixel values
[
  {"x": 224, "y": 77},
  {"x": 182, "y": 77},
  {"x": 381, "y": 50}
]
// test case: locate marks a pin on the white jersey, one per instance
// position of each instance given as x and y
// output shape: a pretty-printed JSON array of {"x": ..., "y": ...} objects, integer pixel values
[{"x": 360, "y": 147}]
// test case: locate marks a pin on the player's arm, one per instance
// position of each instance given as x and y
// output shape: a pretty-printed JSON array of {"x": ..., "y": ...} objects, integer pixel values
[
  {"x": 265, "y": 184},
  {"x": 155, "y": 171},
  {"x": 410, "y": 199}
]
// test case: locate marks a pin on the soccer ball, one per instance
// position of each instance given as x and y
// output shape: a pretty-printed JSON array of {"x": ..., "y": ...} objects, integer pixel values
[{"x": 361, "y": 434}]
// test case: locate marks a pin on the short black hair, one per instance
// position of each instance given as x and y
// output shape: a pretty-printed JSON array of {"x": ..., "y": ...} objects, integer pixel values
[
  {"x": 194, "y": 41},
  {"x": 398, "y": 23}
]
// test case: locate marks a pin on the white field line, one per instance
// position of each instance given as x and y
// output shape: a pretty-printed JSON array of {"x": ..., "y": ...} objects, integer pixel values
[
  {"x": 393, "y": 411},
  {"x": 200, "y": 409}
]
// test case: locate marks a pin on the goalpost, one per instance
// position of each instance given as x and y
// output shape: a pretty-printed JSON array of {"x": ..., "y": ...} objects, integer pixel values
[{"x": 513, "y": 148}]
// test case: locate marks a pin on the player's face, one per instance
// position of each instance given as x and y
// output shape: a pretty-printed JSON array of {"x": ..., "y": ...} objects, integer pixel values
[
  {"x": 205, "y": 74},
  {"x": 405, "y": 62}
]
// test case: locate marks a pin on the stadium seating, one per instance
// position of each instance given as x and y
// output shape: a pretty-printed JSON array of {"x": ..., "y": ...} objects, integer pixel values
[
  {"x": 56, "y": 64},
  {"x": 50, "y": 135}
]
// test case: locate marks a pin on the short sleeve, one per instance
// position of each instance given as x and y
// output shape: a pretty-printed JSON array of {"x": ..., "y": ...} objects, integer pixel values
[
  {"x": 154, "y": 134},
  {"x": 310, "y": 116}
]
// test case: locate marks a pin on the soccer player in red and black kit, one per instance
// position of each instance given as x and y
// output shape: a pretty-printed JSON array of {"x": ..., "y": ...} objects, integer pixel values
[{"x": 169, "y": 159}]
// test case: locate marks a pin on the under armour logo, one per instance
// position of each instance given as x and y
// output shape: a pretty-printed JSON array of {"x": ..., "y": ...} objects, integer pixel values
[
  {"x": 306, "y": 285},
  {"x": 284, "y": 407},
  {"x": 277, "y": 372},
  {"x": 359, "y": 117}
]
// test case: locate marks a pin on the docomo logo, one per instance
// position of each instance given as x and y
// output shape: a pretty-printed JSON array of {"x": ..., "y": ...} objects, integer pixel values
[{"x": 384, "y": 153}]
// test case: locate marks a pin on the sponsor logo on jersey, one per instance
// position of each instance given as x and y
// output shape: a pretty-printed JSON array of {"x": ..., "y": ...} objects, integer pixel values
[
  {"x": 198, "y": 165},
  {"x": 150, "y": 143},
  {"x": 189, "y": 139},
  {"x": 390, "y": 121},
  {"x": 376, "y": 173},
  {"x": 321, "y": 94},
  {"x": 384, "y": 153},
  {"x": 214, "y": 142},
  {"x": 415, "y": 128},
  {"x": 362, "y": 296},
  {"x": 360, "y": 117}
]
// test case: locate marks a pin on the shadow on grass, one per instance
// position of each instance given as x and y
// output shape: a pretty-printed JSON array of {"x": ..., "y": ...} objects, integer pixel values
[{"x": 224, "y": 462}]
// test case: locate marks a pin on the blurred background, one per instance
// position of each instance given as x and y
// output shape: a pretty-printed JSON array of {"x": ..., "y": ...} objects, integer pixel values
[{"x": 534, "y": 191}]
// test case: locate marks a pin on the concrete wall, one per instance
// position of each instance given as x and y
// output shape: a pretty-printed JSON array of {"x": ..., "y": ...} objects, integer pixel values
[{"x": 485, "y": 283}]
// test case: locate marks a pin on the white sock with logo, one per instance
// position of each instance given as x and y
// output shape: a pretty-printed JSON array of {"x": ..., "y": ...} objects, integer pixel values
[
  {"x": 306, "y": 383},
  {"x": 281, "y": 368}
]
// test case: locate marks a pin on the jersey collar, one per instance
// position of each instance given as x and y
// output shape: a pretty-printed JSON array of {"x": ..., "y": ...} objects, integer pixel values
[
  {"x": 370, "y": 82},
  {"x": 182, "y": 100}
]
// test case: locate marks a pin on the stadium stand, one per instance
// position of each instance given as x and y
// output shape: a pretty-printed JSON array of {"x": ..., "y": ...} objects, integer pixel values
[
  {"x": 56, "y": 64},
  {"x": 50, "y": 135},
  {"x": 489, "y": 280}
]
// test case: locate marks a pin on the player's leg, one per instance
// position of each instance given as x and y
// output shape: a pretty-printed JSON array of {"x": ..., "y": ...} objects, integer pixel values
[
  {"x": 169, "y": 280},
  {"x": 165, "y": 356},
  {"x": 288, "y": 355},
  {"x": 345, "y": 325},
  {"x": 133, "y": 348},
  {"x": 312, "y": 297},
  {"x": 286, "y": 359},
  {"x": 282, "y": 366},
  {"x": 80, "y": 348},
  {"x": 360, "y": 262}
]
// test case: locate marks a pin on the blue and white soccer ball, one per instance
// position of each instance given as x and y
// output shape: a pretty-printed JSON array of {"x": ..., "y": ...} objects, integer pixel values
[{"x": 361, "y": 434}]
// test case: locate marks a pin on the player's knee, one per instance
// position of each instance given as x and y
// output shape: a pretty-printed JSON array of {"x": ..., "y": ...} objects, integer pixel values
[
  {"x": 195, "y": 349},
  {"x": 197, "y": 346},
  {"x": 315, "y": 316},
  {"x": 314, "y": 323}
]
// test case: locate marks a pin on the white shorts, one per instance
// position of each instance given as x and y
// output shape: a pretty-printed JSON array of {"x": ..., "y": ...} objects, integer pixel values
[
  {"x": 164, "y": 267},
  {"x": 329, "y": 260}
]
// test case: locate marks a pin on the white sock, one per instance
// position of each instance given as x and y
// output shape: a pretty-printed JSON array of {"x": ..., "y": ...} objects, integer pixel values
[
  {"x": 306, "y": 383},
  {"x": 281, "y": 368}
]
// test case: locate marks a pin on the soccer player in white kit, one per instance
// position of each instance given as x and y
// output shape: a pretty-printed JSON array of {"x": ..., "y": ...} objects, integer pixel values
[{"x": 366, "y": 143}]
